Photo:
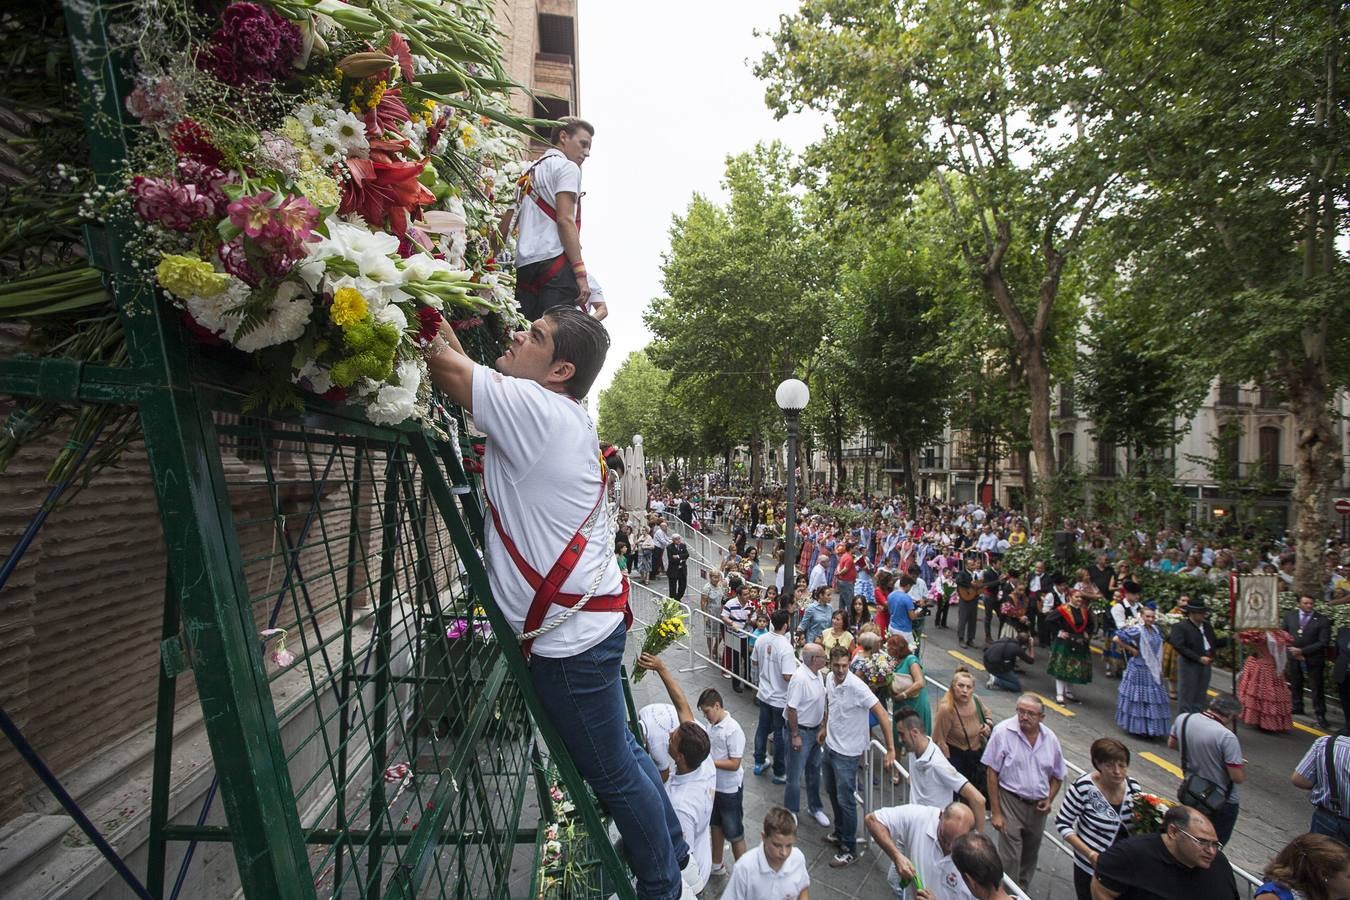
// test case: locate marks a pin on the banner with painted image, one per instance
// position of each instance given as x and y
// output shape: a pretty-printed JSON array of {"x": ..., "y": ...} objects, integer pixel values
[{"x": 1256, "y": 602}]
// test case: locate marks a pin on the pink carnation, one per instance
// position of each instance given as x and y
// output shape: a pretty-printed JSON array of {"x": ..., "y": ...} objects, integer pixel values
[{"x": 173, "y": 205}]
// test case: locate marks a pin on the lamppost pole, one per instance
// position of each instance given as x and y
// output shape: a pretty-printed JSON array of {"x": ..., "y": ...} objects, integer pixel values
[{"x": 792, "y": 396}]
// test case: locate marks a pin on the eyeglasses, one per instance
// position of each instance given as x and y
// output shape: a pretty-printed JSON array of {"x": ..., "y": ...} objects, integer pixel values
[
  {"x": 1216, "y": 846},
  {"x": 1030, "y": 714}
]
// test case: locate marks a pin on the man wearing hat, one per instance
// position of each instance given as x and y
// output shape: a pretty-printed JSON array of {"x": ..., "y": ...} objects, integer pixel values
[{"x": 1195, "y": 643}]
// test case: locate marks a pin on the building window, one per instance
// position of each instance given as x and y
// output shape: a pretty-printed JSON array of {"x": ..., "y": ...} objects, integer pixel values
[
  {"x": 557, "y": 36},
  {"x": 1066, "y": 400},
  {"x": 1271, "y": 398},
  {"x": 1269, "y": 448},
  {"x": 1106, "y": 458},
  {"x": 1228, "y": 393},
  {"x": 1230, "y": 449},
  {"x": 1065, "y": 450}
]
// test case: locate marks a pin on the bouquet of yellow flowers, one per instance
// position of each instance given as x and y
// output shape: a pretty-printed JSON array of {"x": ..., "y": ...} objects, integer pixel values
[
  {"x": 666, "y": 630},
  {"x": 1148, "y": 813}
]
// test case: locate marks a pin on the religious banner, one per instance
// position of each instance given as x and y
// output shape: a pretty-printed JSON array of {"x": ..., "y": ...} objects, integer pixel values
[{"x": 1255, "y": 602}]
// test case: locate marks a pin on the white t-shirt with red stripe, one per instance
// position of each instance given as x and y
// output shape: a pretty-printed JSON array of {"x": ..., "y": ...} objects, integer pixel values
[
  {"x": 537, "y": 237},
  {"x": 542, "y": 472}
]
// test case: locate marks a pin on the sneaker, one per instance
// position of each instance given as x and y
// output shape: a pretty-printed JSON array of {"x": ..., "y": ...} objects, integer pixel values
[
  {"x": 779, "y": 779},
  {"x": 990, "y": 682},
  {"x": 832, "y": 839},
  {"x": 717, "y": 869},
  {"x": 760, "y": 767},
  {"x": 841, "y": 859},
  {"x": 821, "y": 819}
]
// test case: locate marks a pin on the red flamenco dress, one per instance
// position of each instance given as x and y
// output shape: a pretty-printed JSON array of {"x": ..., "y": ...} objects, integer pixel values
[{"x": 1266, "y": 702}]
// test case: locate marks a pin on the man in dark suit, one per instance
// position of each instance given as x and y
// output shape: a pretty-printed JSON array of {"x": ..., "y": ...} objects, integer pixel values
[
  {"x": 677, "y": 571},
  {"x": 1340, "y": 673},
  {"x": 1195, "y": 643},
  {"x": 1312, "y": 634}
]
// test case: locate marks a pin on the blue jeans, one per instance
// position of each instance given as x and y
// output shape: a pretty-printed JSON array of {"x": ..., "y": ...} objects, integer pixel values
[
  {"x": 771, "y": 722},
  {"x": 1009, "y": 682},
  {"x": 584, "y": 700},
  {"x": 840, "y": 775},
  {"x": 805, "y": 761},
  {"x": 1331, "y": 825},
  {"x": 845, "y": 589}
]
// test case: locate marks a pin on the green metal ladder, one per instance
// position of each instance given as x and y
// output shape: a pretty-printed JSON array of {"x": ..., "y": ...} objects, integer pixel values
[{"x": 398, "y": 765}]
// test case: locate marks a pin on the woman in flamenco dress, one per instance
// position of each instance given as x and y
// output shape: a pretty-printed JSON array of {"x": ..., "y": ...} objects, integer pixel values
[
  {"x": 1141, "y": 705},
  {"x": 1266, "y": 702}
]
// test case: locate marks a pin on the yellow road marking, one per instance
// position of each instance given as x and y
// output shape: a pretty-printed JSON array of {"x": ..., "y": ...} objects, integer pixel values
[
  {"x": 1096, "y": 650},
  {"x": 1162, "y": 763},
  {"x": 1213, "y": 693},
  {"x": 1055, "y": 706},
  {"x": 1308, "y": 728},
  {"x": 966, "y": 659}
]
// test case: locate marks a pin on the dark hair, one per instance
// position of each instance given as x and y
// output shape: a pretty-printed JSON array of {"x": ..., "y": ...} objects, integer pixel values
[
  {"x": 580, "y": 339},
  {"x": 1178, "y": 815},
  {"x": 1306, "y": 862},
  {"x": 974, "y": 856},
  {"x": 694, "y": 744},
  {"x": 908, "y": 717},
  {"x": 899, "y": 642},
  {"x": 709, "y": 698},
  {"x": 838, "y": 652},
  {"x": 780, "y": 618},
  {"x": 570, "y": 125},
  {"x": 906, "y": 582},
  {"x": 1106, "y": 750},
  {"x": 885, "y": 580},
  {"x": 779, "y": 821}
]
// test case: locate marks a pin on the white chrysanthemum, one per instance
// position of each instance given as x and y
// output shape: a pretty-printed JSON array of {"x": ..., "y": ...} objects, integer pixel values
[
  {"x": 314, "y": 115},
  {"x": 390, "y": 314},
  {"x": 286, "y": 321},
  {"x": 211, "y": 312},
  {"x": 395, "y": 403},
  {"x": 314, "y": 377},
  {"x": 324, "y": 143},
  {"x": 351, "y": 133}
]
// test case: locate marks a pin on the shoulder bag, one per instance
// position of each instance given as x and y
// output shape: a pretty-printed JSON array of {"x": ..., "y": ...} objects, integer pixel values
[{"x": 1197, "y": 791}]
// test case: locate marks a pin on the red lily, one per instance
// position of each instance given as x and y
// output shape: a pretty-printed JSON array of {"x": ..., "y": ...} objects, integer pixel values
[{"x": 381, "y": 191}]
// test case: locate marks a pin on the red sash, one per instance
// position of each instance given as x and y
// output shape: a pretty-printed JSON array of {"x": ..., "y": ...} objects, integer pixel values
[
  {"x": 548, "y": 588},
  {"x": 1069, "y": 615}
]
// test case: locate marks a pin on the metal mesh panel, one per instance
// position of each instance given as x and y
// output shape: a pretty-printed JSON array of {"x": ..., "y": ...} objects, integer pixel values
[{"x": 397, "y": 701}]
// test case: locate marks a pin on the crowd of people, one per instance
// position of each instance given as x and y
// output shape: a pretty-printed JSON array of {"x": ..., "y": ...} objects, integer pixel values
[{"x": 835, "y": 661}]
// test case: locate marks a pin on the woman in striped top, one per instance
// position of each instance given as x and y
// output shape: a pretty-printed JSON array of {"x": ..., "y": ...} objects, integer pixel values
[{"x": 1097, "y": 808}]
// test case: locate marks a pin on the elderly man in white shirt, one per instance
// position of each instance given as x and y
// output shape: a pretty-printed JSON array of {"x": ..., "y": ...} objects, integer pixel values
[
  {"x": 691, "y": 786},
  {"x": 918, "y": 841},
  {"x": 933, "y": 780}
]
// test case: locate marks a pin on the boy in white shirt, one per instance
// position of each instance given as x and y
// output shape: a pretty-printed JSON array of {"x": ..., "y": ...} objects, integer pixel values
[
  {"x": 776, "y": 869},
  {"x": 728, "y": 749}
]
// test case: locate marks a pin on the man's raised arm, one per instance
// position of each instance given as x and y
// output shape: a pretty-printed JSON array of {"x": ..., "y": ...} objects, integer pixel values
[
  {"x": 677, "y": 698},
  {"x": 450, "y": 367}
]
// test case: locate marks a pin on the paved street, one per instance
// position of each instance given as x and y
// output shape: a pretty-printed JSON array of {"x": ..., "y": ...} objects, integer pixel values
[{"x": 1272, "y": 809}]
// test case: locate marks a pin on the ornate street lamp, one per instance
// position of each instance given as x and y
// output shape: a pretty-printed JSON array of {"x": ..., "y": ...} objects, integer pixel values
[{"x": 792, "y": 396}]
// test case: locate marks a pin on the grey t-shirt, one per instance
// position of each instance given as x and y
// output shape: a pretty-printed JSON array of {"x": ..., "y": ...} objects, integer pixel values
[{"x": 1210, "y": 748}]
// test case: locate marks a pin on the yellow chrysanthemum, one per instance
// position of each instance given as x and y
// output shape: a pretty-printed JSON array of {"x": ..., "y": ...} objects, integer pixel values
[
  {"x": 319, "y": 187},
  {"x": 292, "y": 128},
  {"x": 349, "y": 307},
  {"x": 187, "y": 276}
]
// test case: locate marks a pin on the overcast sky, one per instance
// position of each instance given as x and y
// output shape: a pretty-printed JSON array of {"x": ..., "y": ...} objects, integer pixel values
[{"x": 671, "y": 92}]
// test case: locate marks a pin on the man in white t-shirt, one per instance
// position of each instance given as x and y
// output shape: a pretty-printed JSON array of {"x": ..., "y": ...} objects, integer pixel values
[
  {"x": 919, "y": 839},
  {"x": 776, "y": 869},
  {"x": 804, "y": 712},
  {"x": 728, "y": 750},
  {"x": 657, "y": 721},
  {"x": 549, "y": 268},
  {"x": 545, "y": 488},
  {"x": 776, "y": 661},
  {"x": 933, "y": 780},
  {"x": 693, "y": 781},
  {"x": 846, "y": 734}
]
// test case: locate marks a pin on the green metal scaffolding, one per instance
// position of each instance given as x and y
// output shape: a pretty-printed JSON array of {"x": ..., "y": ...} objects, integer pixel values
[{"x": 396, "y": 754}]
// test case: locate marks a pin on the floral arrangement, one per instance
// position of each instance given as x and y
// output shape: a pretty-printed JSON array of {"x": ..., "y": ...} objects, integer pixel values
[
  {"x": 312, "y": 183},
  {"x": 561, "y": 874},
  {"x": 1148, "y": 813},
  {"x": 875, "y": 670},
  {"x": 667, "y": 629}
]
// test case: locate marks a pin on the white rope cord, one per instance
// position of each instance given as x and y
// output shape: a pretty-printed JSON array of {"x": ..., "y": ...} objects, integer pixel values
[{"x": 601, "y": 513}]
